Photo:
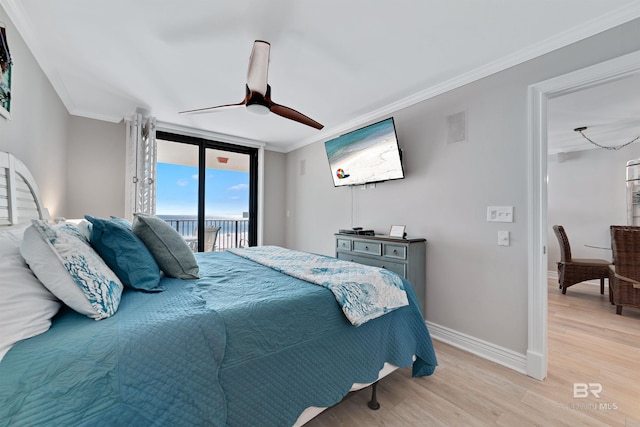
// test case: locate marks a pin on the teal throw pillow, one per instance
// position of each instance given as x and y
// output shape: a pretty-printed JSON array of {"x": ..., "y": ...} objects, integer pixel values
[
  {"x": 167, "y": 246},
  {"x": 126, "y": 224},
  {"x": 125, "y": 254}
]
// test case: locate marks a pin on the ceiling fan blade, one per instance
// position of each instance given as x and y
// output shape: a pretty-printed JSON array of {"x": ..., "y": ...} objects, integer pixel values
[
  {"x": 290, "y": 113},
  {"x": 213, "y": 109},
  {"x": 258, "y": 67}
]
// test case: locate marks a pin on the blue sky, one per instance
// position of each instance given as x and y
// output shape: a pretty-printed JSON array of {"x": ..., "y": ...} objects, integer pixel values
[{"x": 227, "y": 192}]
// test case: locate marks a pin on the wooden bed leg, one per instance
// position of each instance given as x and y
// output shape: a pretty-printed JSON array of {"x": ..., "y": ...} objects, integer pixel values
[{"x": 373, "y": 403}]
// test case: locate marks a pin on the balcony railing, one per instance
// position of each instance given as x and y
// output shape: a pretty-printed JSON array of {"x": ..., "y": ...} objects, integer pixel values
[{"x": 233, "y": 233}]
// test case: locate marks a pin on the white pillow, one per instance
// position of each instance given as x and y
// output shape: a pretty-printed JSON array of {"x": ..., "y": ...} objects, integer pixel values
[
  {"x": 26, "y": 306},
  {"x": 66, "y": 264}
]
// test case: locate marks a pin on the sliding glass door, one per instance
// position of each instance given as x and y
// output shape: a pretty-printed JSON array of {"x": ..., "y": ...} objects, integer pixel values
[
  {"x": 227, "y": 201},
  {"x": 207, "y": 191}
]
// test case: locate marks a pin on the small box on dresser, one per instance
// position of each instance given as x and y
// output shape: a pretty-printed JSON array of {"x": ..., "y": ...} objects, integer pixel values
[{"x": 406, "y": 257}]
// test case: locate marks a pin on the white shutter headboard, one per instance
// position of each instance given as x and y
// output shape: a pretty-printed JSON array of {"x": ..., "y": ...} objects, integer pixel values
[{"x": 19, "y": 196}]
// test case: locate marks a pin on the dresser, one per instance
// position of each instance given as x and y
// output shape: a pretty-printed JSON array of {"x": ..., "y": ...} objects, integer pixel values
[{"x": 406, "y": 257}]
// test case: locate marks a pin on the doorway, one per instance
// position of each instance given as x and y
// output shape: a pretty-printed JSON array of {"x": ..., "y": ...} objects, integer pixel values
[{"x": 539, "y": 94}]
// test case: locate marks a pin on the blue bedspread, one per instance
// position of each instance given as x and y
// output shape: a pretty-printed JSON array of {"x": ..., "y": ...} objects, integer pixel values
[{"x": 242, "y": 346}]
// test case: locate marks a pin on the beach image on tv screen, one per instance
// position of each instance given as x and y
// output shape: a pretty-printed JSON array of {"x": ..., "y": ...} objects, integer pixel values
[{"x": 366, "y": 155}]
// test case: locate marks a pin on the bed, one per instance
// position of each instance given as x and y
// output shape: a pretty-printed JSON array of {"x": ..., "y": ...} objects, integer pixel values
[{"x": 243, "y": 344}]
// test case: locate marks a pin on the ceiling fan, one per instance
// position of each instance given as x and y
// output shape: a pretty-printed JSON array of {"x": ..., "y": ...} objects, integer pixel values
[{"x": 258, "y": 91}]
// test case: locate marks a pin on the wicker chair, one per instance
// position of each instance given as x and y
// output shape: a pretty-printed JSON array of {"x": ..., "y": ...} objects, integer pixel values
[
  {"x": 625, "y": 273},
  {"x": 575, "y": 270}
]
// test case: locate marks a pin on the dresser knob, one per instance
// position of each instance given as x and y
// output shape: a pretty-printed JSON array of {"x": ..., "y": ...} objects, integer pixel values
[{"x": 395, "y": 252}]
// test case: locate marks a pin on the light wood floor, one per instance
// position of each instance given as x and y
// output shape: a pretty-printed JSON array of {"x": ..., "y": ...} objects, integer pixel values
[{"x": 588, "y": 343}]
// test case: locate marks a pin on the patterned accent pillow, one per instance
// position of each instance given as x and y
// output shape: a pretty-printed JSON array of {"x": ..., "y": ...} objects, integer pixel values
[
  {"x": 167, "y": 246},
  {"x": 67, "y": 266},
  {"x": 81, "y": 225},
  {"x": 74, "y": 229},
  {"x": 125, "y": 254}
]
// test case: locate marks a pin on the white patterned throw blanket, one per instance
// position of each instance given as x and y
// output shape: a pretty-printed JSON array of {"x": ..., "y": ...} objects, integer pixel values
[{"x": 363, "y": 292}]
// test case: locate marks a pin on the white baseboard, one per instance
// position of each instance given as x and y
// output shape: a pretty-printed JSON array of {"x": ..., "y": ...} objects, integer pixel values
[
  {"x": 484, "y": 349},
  {"x": 518, "y": 362}
]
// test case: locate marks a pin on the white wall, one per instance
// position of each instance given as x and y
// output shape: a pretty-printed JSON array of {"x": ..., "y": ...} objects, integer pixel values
[
  {"x": 586, "y": 194},
  {"x": 474, "y": 287},
  {"x": 37, "y": 131}
]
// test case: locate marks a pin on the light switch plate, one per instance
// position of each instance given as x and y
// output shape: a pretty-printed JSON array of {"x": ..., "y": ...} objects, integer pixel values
[
  {"x": 500, "y": 214},
  {"x": 503, "y": 238}
]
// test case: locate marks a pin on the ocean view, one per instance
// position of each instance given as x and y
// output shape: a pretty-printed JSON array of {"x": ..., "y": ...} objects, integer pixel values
[
  {"x": 187, "y": 225},
  {"x": 226, "y": 201}
]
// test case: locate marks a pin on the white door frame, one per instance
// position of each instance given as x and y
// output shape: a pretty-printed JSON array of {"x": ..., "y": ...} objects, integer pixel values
[{"x": 539, "y": 94}]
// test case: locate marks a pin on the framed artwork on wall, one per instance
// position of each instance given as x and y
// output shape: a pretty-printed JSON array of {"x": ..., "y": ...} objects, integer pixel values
[{"x": 5, "y": 82}]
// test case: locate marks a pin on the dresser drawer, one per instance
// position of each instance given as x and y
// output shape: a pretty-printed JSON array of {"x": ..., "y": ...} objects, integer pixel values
[
  {"x": 397, "y": 267},
  {"x": 374, "y": 248},
  {"x": 344, "y": 244},
  {"x": 395, "y": 251}
]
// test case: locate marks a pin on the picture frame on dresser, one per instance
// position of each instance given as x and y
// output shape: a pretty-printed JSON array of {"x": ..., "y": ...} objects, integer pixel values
[{"x": 397, "y": 231}]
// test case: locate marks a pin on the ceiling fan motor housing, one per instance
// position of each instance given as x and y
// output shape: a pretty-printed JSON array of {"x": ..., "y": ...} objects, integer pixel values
[{"x": 257, "y": 103}]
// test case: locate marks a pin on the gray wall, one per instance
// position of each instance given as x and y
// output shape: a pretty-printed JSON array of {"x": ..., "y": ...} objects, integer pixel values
[
  {"x": 586, "y": 194},
  {"x": 96, "y": 174},
  {"x": 38, "y": 129},
  {"x": 473, "y": 286},
  {"x": 274, "y": 198}
]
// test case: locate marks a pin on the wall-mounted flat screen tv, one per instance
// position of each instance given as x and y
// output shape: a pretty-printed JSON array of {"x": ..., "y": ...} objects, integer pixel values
[{"x": 369, "y": 154}]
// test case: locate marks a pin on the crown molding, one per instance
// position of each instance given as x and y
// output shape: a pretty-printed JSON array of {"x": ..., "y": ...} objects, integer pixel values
[
  {"x": 214, "y": 136},
  {"x": 14, "y": 10},
  {"x": 613, "y": 19},
  {"x": 101, "y": 117}
]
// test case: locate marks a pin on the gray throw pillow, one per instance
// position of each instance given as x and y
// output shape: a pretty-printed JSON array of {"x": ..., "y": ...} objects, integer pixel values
[{"x": 167, "y": 246}]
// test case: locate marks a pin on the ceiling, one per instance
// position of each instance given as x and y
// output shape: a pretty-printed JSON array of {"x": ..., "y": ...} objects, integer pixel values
[
  {"x": 188, "y": 155},
  {"x": 611, "y": 113},
  {"x": 341, "y": 63}
]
